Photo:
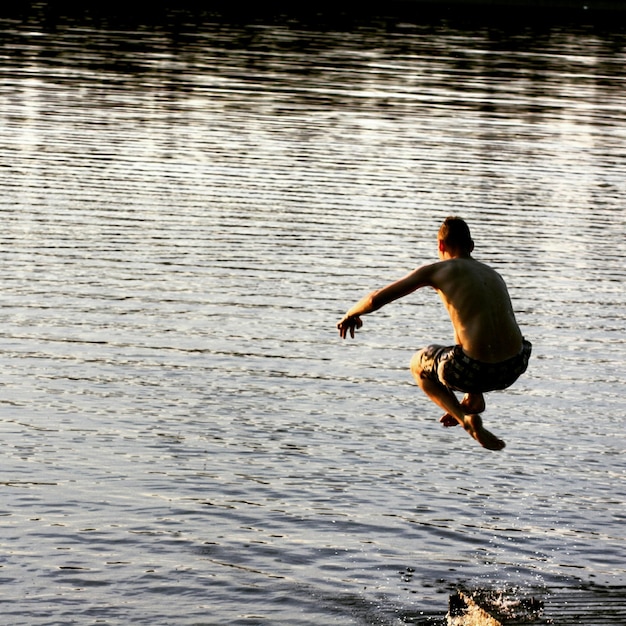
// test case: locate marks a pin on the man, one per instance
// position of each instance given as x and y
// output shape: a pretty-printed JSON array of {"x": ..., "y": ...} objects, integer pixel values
[{"x": 490, "y": 352}]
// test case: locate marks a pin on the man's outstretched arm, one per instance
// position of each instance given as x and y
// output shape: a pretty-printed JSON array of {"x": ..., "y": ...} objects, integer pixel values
[{"x": 351, "y": 321}]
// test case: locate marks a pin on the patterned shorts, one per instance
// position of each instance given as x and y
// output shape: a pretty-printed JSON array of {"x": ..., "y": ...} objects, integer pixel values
[{"x": 450, "y": 366}]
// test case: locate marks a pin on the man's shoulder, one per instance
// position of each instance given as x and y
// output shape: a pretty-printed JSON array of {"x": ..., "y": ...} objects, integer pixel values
[
  {"x": 459, "y": 265},
  {"x": 461, "y": 272},
  {"x": 468, "y": 265},
  {"x": 442, "y": 274}
]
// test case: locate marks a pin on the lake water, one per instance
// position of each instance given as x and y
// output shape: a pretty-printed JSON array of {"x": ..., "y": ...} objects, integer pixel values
[{"x": 188, "y": 207}]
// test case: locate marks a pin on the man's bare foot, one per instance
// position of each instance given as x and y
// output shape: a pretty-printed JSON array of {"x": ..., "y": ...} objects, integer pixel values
[
  {"x": 474, "y": 426},
  {"x": 448, "y": 420}
]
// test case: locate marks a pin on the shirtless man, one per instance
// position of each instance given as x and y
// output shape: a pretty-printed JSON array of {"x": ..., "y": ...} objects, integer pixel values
[{"x": 490, "y": 352}]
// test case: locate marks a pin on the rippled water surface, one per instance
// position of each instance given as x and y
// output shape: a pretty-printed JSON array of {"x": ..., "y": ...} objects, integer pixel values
[{"x": 188, "y": 208}]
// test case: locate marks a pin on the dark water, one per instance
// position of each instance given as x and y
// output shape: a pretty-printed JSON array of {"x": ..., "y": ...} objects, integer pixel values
[{"x": 187, "y": 209}]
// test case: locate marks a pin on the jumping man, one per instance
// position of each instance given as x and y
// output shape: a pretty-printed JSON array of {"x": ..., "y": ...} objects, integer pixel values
[{"x": 490, "y": 352}]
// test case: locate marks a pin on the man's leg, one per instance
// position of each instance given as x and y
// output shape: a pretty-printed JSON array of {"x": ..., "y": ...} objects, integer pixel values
[
  {"x": 454, "y": 409},
  {"x": 437, "y": 392},
  {"x": 472, "y": 404}
]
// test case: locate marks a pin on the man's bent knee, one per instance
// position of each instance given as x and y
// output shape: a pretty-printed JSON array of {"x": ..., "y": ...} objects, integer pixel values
[{"x": 416, "y": 364}]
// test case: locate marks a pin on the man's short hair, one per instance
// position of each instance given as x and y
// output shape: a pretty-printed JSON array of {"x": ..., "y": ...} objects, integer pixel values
[{"x": 455, "y": 233}]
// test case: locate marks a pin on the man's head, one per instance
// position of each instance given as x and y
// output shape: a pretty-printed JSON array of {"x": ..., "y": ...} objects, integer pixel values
[{"x": 454, "y": 237}]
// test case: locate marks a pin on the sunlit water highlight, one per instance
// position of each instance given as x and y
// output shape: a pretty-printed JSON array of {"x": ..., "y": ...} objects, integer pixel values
[{"x": 187, "y": 212}]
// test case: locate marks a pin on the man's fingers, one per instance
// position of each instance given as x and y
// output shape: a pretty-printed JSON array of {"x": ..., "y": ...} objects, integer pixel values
[{"x": 350, "y": 324}]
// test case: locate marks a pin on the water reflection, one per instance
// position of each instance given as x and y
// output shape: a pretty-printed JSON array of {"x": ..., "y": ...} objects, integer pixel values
[{"x": 189, "y": 206}]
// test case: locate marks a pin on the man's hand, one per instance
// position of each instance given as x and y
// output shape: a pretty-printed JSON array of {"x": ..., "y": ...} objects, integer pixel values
[{"x": 349, "y": 323}]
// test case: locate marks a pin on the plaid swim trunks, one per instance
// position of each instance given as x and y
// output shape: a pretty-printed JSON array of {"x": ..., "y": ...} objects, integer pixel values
[{"x": 450, "y": 366}]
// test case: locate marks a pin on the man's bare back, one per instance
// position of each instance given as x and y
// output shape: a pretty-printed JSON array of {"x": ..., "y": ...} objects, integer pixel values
[
  {"x": 490, "y": 352},
  {"x": 480, "y": 309}
]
